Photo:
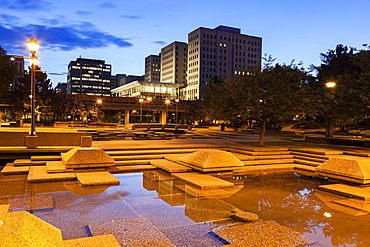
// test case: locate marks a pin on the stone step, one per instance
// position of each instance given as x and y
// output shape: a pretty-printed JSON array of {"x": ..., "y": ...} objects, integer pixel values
[
  {"x": 131, "y": 168},
  {"x": 319, "y": 160},
  {"x": 40, "y": 174},
  {"x": 305, "y": 167},
  {"x": 267, "y": 162},
  {"x": 170, "y": 166},
  {"x": 362, "y": 193},
  {"x": 101, "y": 240},
  {"x": 11, "y": 169},
  {"x": 245, "y": 157},
  {"x": 131, "y": 162},
  {"x": 357, "y": 154},
  {"x": 265, "y": 153},
  {"x": 260, "y": 149},
  {"x": 307, "y": 162},
  {"x": 56, "y": 167},
  {"x": 96, "y": 178},
  {"x": 137, "y": 157},
  {"x": 317, "y": 156},
  {"x": 203, "y": 181},
  {"x": 28, "y": 162},
  {"x": 148, "y": 152},
  {"x": 320, "y": 151},
  {"x": 265, "y": 169},
  {"x": 46, "y": 158}
]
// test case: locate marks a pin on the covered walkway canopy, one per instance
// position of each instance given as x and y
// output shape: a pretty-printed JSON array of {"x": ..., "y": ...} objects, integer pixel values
[{"x": 158, "y": 90}]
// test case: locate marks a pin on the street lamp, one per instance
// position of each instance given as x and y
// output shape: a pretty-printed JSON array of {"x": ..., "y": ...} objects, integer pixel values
[
  {"x": 167, "y": 102},
  {"x": 329, "y": 119},
  {"x": 141, "y": 100},
  {"x": 177, "y": 108},
  {"x": 33, "y": 46},
  {"x": 149, "y": 99},
  {"x": 99, "y": 102}
]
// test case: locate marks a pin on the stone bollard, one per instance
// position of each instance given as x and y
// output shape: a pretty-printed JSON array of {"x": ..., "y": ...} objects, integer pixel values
[
  {"x": 86, "y": 141},
  {"x": 32, "y": 141}
]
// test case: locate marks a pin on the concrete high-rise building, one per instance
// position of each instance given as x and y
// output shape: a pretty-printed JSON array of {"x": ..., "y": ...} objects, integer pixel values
[
  {"x": 61, "y": 87},
  {"x": 219, "y": 52},
  {"x": 173, "y": 62},
  {"x": 18, "y": 63},
  {"x": 89, "y": 76},
  {"x": 115, "y": 80},
  {"x": 153, "y": 68}
]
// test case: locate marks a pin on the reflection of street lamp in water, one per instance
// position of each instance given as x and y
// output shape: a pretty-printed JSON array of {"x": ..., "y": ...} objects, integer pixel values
[{"x": 33, "y": 47}]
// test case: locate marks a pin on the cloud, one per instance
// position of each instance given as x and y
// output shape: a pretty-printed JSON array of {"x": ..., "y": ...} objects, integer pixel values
[
  {"x": 81, "y": 12},
  {"x": 134, "y": 17},
  {"x": 107, "y": 5},
  {"x": 67, "y": 37},
  {"x": 28, "y": 5},
  {"x": 159, "y": 42},
  {"x": 55, "y": 73}
]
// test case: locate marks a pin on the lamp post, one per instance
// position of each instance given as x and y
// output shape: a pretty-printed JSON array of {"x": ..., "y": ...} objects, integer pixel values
[
  {"x": 329, "y": 120},
  {"x": 33, "y": 46},
  {"x": 141, "y": 100},
  {"x": 167, "y": 102},
  {"x": 177, "y": 108},
  {"x": 99, "y": 102},
  {"x": 149, "y": 99}
]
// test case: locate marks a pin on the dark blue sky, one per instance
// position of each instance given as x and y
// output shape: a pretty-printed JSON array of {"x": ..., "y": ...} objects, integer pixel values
[{"x": 124, "y": 32}]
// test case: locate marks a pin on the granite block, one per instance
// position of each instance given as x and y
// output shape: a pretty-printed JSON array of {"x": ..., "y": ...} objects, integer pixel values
[
  {"x": 96, "y": 178},
  {"x": 11, "y": 169},
  {"x": 32, "y": 141},
  {"x": 203, "y": 181},
  {"x": 86, "y": 157},
  {"x": 170, "y": 166},
  {"x": 40, "y": 174},
  {"x": 101, "y": 240}
]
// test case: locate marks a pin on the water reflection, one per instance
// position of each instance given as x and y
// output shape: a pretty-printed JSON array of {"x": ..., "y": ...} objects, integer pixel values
[{"x": 291, "y": 200}]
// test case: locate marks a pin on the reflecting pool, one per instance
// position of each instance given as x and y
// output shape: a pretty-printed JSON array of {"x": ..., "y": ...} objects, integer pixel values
[{"x": 291, "y": 200}]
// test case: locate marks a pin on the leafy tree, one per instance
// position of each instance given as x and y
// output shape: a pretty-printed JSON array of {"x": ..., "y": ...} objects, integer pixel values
[
  {"x": 63, "y": 105},
  {"x": 348, "y": 102},
  {"x": 7, "y": 73},
  {"x": 268, "y": 95},
  {"x": 44, "y": 93}
]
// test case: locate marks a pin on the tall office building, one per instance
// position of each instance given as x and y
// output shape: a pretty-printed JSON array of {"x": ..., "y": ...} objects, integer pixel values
[
  {"x": 89, "y": 76},
  {"x": 173, "y": 62},
  {"x": 222, "y": 52},
  {"x": 153, "y": 68},
  {"x": 18, "y": 63}
]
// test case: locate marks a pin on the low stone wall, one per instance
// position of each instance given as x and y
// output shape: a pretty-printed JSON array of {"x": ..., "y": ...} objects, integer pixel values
[{"x": 44, "y": 138}]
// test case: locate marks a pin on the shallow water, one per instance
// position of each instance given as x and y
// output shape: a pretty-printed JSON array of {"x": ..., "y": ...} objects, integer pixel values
[{"x": 291, "y": 200}]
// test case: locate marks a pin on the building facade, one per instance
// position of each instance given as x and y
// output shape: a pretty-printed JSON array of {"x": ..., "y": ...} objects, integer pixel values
[
  {"x": 18, "y": 63},
  {"x": 219, "y": 52},
  {"x": 173, "y": 63},
  {"x": 89, "y": 76},
  {"x": 153, "y": 68}
]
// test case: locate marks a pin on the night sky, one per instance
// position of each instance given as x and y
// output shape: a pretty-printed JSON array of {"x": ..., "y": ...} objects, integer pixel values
[{"x": 124, "y": 32}]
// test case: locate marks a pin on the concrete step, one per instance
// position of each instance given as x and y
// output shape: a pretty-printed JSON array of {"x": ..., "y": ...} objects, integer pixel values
[
  {"x": 130, "y": 168},
  {"x": 137, "y": 157},
  {"x": 317, "y": 156},
  {"x": 149, "y": 152},
  {"x": 46, "y": 158},
  {"x": 203, "y": 181},
  {"x": 244, "y": 157},
  {"x": 170, "y": 166},
  {"x": 320, "y": 151},
  {"x": 131, "y": 162},
  {"x": 265, "y": 153},
  {"x": 265, "y": 169},
  {"x": 268, "y": 162},
  {"x": 96, "y": 178},
  {"x": 319, "y": 160},
  {"x": 305, "y": 167},
  {"x": 308, "y": 163},
  {"x": 11, "y": 169},
  {"x": 28, "y": 162}
]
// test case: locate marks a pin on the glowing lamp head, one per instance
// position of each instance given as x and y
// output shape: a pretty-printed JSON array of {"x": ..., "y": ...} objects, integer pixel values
[
  {"x": 149, "y": 99},
  {"x": 99, "y": 101},
  {"x": 167, "y": 101},
  {"x": 33, "y": 45},
  {"x": 34, "y": 60},
  {"x": 177, "y": 100},
  {"x": 141, "y": 100},
  {"x": 330, "y": 84}
]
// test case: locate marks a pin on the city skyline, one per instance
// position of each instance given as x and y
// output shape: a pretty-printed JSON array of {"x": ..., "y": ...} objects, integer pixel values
[{"x": 123, "y": 33}]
